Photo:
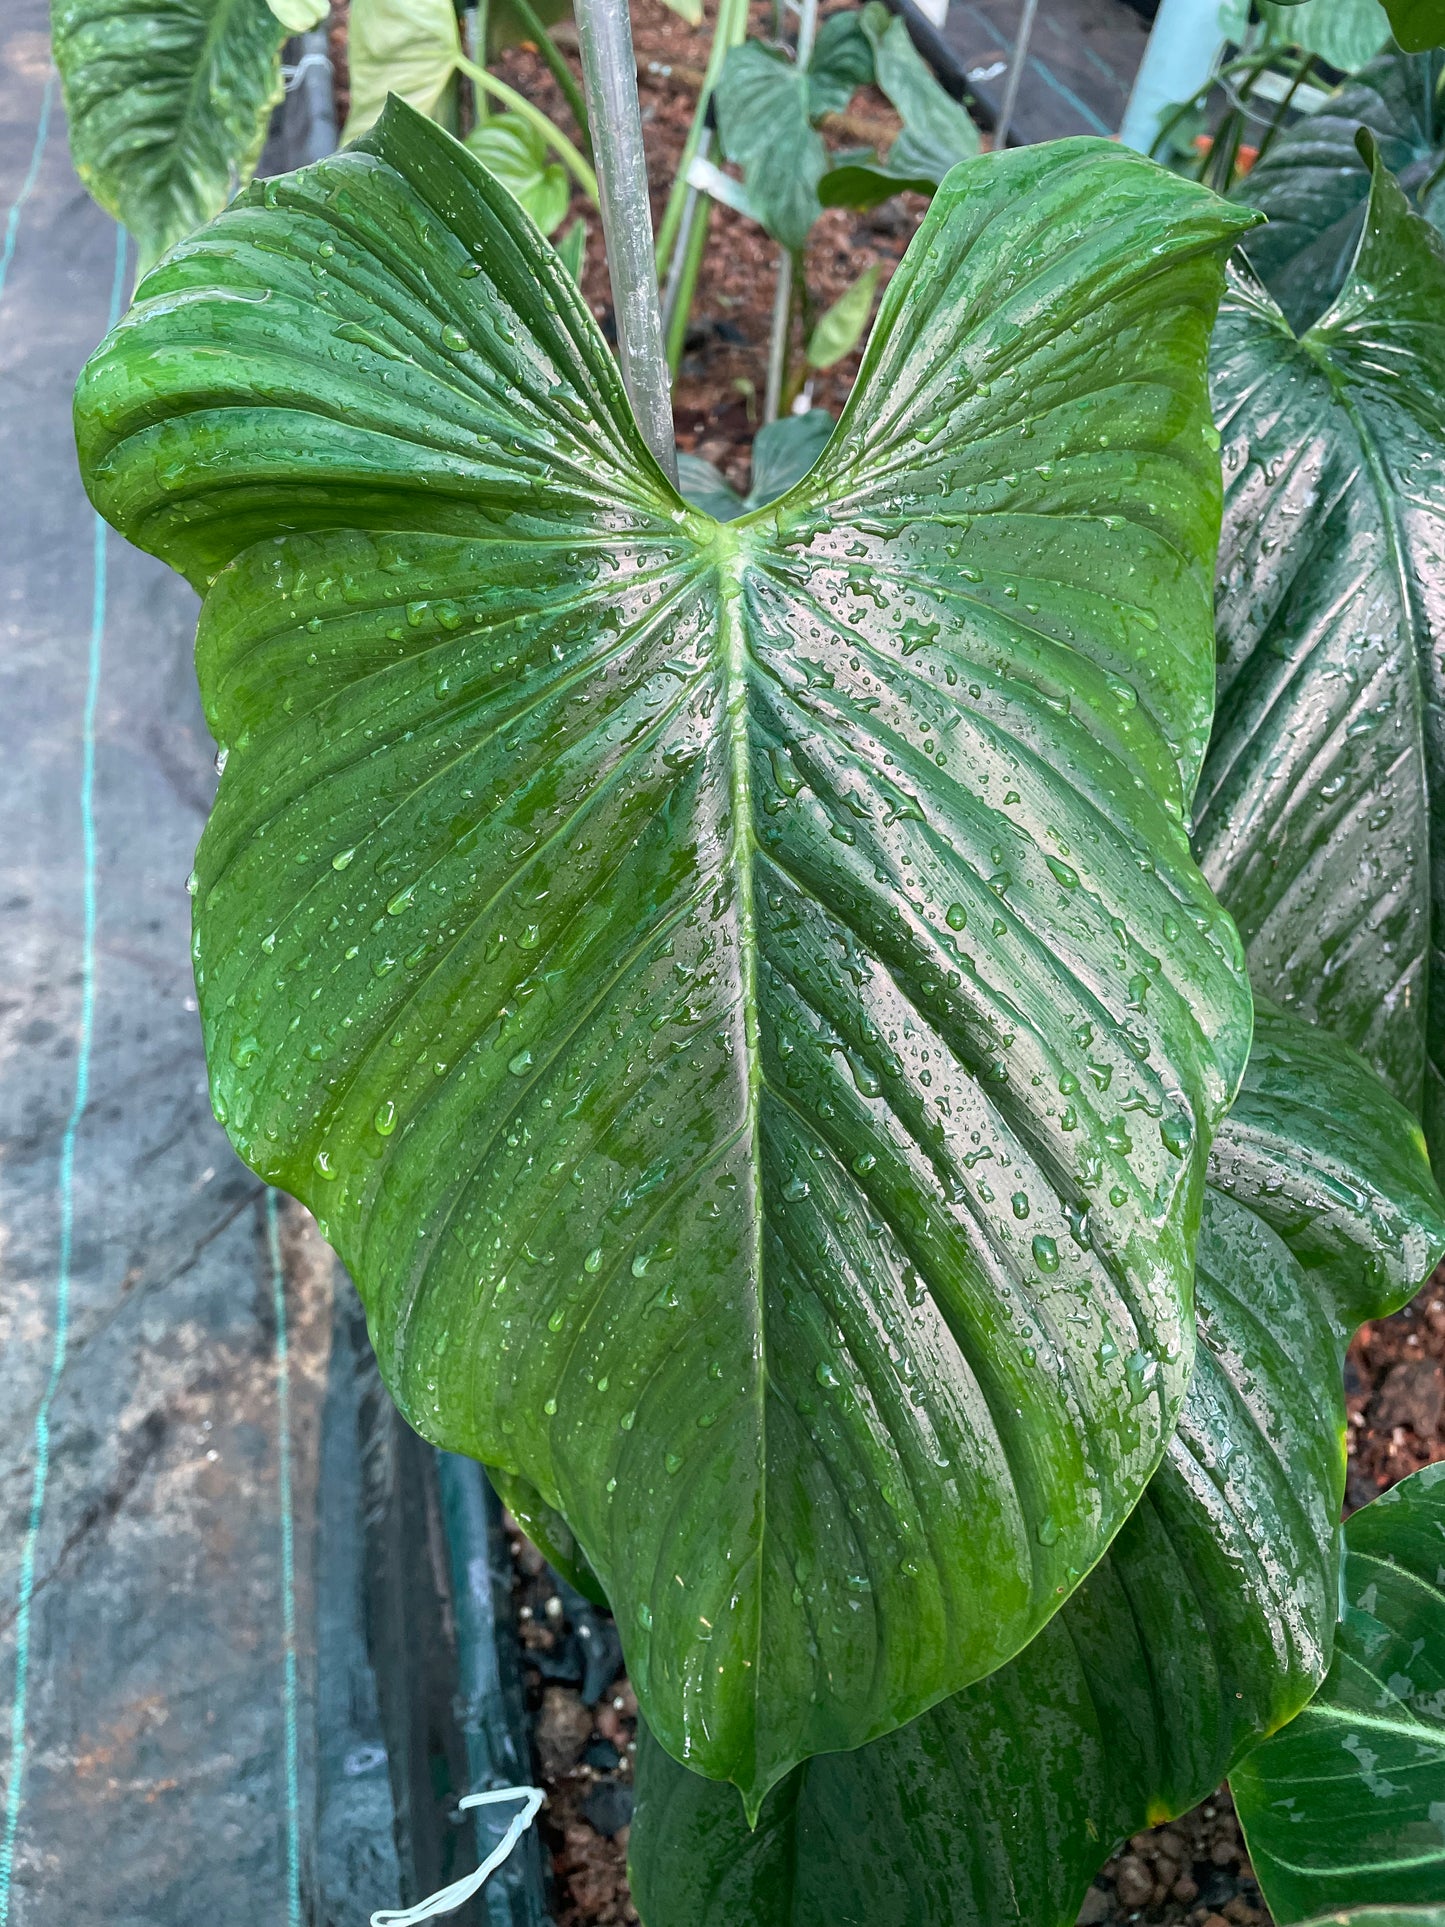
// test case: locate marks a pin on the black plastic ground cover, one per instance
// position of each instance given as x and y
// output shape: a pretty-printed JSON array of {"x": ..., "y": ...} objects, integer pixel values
[
  {"x": 1083, "y": 55},
  {"x": 253, "y": 1640}
]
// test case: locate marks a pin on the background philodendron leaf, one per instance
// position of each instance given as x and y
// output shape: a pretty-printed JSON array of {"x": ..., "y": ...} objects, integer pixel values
[
  {"x": 1346, "y": 1806},
  {"x": 1346, "y": 33},
  {"x": 514, "y": 151},
  {"x": 737, "y": 995},
  {"x": 765, "y": 125},
  {"x": 1313, "y": 183},
  {"x": 1207, "y": 1624},
  {"x": 783, "y": 453},
  {"x": 168, "y": 103},
  {"x": 404, "y": 47},
  {"x": 299, "y": 16},
  {"x": 937, "y": 132},
  {"x": 1320, "y": 814},
  {"x": 840, "y": 328}
]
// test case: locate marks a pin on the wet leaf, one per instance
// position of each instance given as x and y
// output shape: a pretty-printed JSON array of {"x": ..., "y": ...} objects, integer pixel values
[
  {"x": 1313, "y": 184},
  {"x": 1207, "y": 1624},
  {"x": 1346, "y": 1806},
  {"x": 168, "y": 103},
  {"x": 701, "y": 974},
  {"x": 1327, "y": 765}
]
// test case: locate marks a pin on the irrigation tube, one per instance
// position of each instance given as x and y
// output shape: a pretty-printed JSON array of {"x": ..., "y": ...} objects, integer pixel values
[{"x": 609, "y": 73}]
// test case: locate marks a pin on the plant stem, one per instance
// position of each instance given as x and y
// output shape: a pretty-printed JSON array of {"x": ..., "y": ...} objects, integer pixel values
[
  {"x": 729, "y": 30},
  {"x": 550, "y": 133},
  {"x": 686, "y": 265},
  {"x": 556, "y": 66},
  {"x": 788, "y": 263},
  {"x": 609, "y": 72}
]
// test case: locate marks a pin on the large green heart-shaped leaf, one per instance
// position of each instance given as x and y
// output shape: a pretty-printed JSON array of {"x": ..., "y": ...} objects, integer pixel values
[
  {"x": 168, "y": 103},
  {"x": 1346, "y": 1807},
  {"x": 1313, "y": 183},
  {"x": 738, "y": 996},
  {"x": 1326, "y": 771},
  {"x": 1207, "y": 1624}
]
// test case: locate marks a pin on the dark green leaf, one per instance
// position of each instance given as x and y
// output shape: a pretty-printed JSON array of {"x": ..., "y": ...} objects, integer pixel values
[
  {"x": 738, "y": 996},
  {"x": 937, "y": 132},
  {"x": 841, "y": 63},
  {"x": 863, "y": 184},
  {"x": 763, "y": 113},
  {"x": 168, "y": 103},
  {"x": 1327, "y": 764},
  {"x": 1417, "y": 24},
  {"x": 1313, "y": 184},
  {"x": 782, "y": 454},
  {"x": 548, "y": 1531},
  {"x": 1346, "y": 1807},
  {"x": 1207, "y": 1624}
]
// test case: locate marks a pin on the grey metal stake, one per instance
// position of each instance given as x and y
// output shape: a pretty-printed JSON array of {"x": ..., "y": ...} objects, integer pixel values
[
  {"x": 1015, "y": 75},
  {"x": 609, "y": 76}
]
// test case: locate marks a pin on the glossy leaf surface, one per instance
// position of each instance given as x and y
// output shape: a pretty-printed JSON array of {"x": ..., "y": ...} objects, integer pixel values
[
  {"x": 168, "y": 103},
  {"x": 1313, "y": 184},
  {"x": 738, "y": 996},
  {"x": 1207, "y": 1624},
  {"x": 1327, "y": 765},
  {"x": 1346, "y": 1806}
]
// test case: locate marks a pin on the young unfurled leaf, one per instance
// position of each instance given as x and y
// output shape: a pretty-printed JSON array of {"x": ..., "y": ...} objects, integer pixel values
[
  {"x": 1314, "y": 185},
  {"x": 515, "y": 152},
  {"x": 404, "y": 47},
  {"x": 841, "y": 328},
  {"x": 168, "y": 103},
  {"x": 1344, "y": 1807},
  {"x": 738, "y": 996},
  {"x": 1207, "y": 1624},
  {"x": 1322, "y": 808},
  {"x": 299, "y": 16}
]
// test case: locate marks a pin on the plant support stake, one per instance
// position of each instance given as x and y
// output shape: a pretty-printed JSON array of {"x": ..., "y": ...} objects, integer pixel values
[
  {"x": 609, "y": 74},
  {"x": 1015, "y": 75}
]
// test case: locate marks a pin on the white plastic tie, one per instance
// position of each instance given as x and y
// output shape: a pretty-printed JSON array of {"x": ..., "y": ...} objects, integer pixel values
[{"x": 443, "y": 1901}]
